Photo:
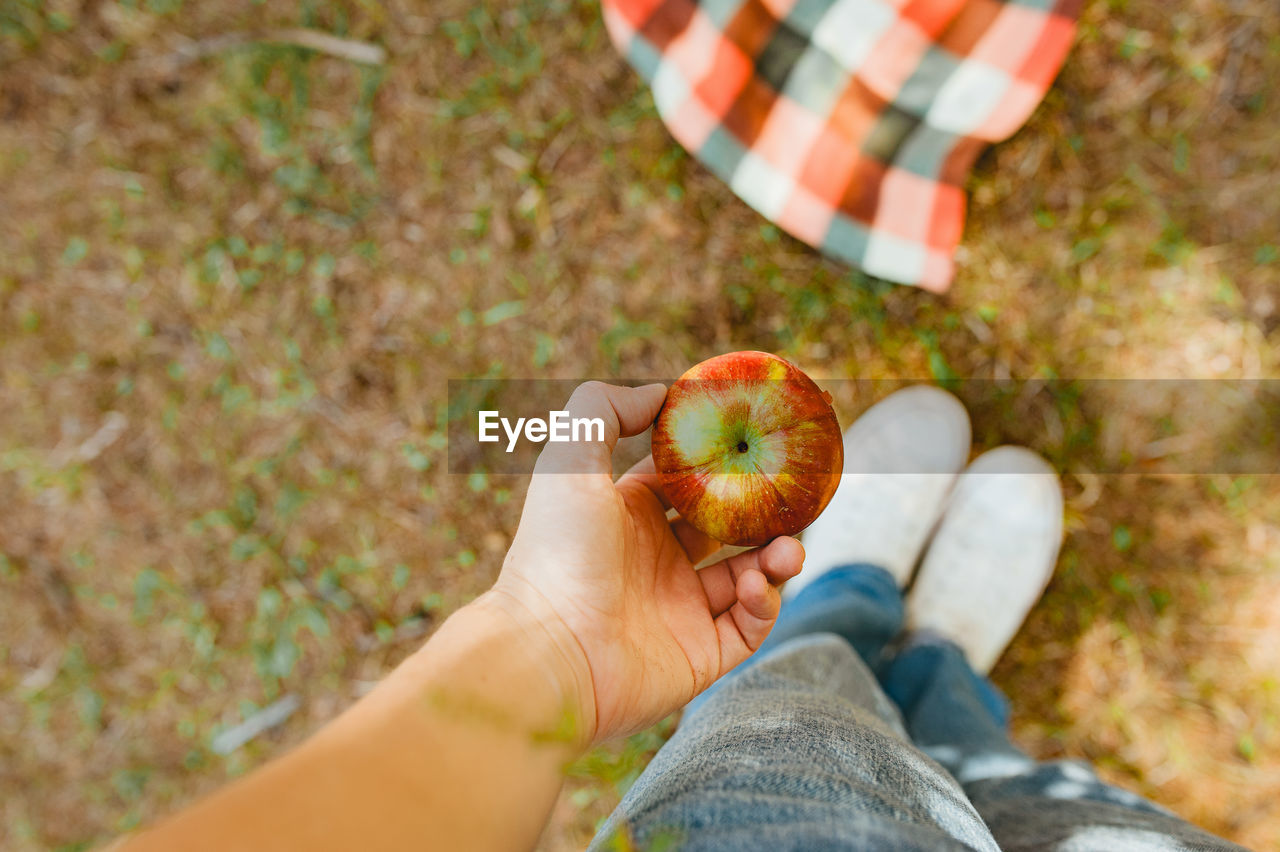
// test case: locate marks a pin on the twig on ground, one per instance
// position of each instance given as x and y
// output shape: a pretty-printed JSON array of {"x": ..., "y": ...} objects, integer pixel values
[
  {"x": 362, "y": 52},
  {"x": 271, "y": 716}
]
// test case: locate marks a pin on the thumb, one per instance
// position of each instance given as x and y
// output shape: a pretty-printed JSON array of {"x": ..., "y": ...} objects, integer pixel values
[{"x": 612, "y": 412}]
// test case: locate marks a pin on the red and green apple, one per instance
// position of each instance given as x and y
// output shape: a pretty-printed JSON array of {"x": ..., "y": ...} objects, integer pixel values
[{"x": 748, "y": 448}]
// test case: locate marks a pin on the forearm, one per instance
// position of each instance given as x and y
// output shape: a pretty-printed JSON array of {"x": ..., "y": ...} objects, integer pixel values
[{"x": 462, "y": 747}]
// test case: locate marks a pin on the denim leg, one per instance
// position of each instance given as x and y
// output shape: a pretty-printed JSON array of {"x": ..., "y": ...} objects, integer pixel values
[
  {"x": 1063, "y": 806},
  {"x": 799, "y": 751},
  {"x": 859, "y": 603},
  {"x": 960, "y": 719},
  {"x": 952, "y": 713}
]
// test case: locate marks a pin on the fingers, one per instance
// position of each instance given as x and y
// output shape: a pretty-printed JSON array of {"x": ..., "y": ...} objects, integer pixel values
[
  {"x": 742, "y": 592},
  {"x": 777, "y": 562},
  {"x": 607, "y": 412},
  {"x": 747, "y": 623},
  {"x": 636, "y": 407}
]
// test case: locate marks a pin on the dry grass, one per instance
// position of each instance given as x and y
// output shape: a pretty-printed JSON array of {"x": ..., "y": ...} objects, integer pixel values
[{"x": 232, "y": 291}]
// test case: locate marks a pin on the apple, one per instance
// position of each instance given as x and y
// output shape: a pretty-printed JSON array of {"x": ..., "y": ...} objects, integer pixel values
[{"x": 747, "y": 448}]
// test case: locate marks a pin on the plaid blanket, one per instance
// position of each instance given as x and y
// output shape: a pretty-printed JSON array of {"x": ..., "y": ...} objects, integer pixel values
[{"x": 852, "y": 124}]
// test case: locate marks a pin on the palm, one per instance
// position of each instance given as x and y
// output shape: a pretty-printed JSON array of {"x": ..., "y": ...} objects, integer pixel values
[{"x": 661, "y": 606}]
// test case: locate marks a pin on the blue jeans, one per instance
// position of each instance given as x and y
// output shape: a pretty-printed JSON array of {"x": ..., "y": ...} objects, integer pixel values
[{"x": 836, "y": 736}]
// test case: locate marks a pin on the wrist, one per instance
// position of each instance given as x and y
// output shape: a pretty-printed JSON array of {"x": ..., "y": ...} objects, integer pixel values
[{"x": 542, "y": 645}]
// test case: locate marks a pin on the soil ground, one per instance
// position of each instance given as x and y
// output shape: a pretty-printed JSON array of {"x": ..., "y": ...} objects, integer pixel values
[{"x": 235, "y": 278}]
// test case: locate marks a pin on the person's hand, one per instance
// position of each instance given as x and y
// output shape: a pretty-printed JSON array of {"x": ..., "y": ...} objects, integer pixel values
[
  {"x": 598, "y": 571},
  {"x": 598, "y": 612}
]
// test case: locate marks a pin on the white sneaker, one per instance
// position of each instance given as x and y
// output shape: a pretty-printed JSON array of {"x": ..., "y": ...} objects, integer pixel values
[
  {"x": 901, "y": 458},
  {"x": 992, "y": 556}
]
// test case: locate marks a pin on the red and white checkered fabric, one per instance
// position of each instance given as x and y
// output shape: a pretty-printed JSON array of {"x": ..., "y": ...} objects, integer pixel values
[{"x": 852, "y": 124}]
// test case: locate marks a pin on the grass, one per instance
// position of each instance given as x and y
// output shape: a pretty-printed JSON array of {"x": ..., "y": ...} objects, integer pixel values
[{"x": 232, "y": 292}]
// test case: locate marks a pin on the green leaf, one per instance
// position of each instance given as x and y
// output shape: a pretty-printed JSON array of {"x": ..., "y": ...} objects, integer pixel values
[
  {"x": 543, "y": 350},
  {"x": 77, "y": 249},
  {"x": 245, "y": 506},
  {"x": 1247, "y": 747},
  {"x": 290, "y": 500},
  {"x": 417, "y": 459},
  {"x": 90, "y": 704},
  {"x": 284, "y": 655},
  {"x": 269, "y": 601},
  {"x": 129, "y": 783},
  {"x": 145, "y": 585},
  {"x": 218, "y": 348},
  {"x": 1085, "y": 249},
  {"x": 246, "y": 547},
  {"x": 324, "y": 266},
  {"x": 310, "y": 617},
  {"x": 501, "y": 312},
  {"x": 1181, "y": 153}
]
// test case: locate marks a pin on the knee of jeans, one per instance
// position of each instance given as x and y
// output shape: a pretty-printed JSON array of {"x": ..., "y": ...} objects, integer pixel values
[
  {"x": 830, "y": 647},
  {"x": 824, "y": 649}
]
